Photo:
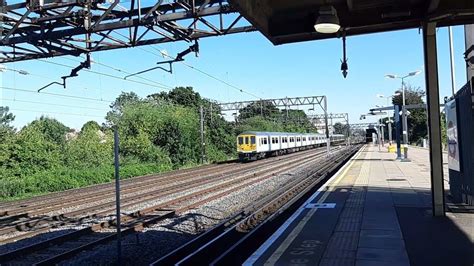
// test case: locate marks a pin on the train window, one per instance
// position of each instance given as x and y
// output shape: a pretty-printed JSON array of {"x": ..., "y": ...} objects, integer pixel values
[
  {"x": 265, "y": 141},
  {"x": 241, "y": 140},
  {"x": 276, "y": 140},
  {"x": 246, "y": 140},
  {"x": 252, "y": 140}
]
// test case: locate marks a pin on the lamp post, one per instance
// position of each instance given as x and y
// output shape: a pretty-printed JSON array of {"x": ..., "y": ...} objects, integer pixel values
[
  {"x": 404, "y": 116},
  {"x": 389, "y": 120}
]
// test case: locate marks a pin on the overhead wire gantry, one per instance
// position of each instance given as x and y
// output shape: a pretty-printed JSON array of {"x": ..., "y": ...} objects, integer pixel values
[{"x": 33, "y": 29}]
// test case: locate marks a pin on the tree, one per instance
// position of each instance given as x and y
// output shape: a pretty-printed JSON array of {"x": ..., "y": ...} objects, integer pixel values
[
  {"x": 340, "y": 128},
  {"x": 417, "y": 120},
  {"x": 259, "y": 108},
  {"x": 5, "y": 116},
  {"x": 7, "y": 134},
  {"x": 38, "y": 146},
  {"x": 117, "y": 106},
  {"x": 184, "y": 96},
  {"x": 91, "y": 148},
  {"x": 90, "y": 125},
  {"x": 51, "y": 129}
]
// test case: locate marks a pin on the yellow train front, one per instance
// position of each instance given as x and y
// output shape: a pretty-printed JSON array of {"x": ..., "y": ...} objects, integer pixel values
[{"x": 253, "y": 145}]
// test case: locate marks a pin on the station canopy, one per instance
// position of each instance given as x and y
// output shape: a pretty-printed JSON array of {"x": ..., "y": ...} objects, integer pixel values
[{"x": 286, "y": 21}]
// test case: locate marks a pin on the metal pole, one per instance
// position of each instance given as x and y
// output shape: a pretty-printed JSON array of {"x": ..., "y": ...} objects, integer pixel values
[
  {"x": 404, "y": 126},
  {"x": 434, "y": 121},
  {"x": 117, "y": 195},
  {"x": 379, "y": 137},
  {"x": 348, "y": 130},
  {"x": 389, "y": 131},
  {"x": 328, "y": 141},
  {"x": 451, "y": 57},
  {"x": 382, "y": 134},
  {"x": 211, "y": 112},
  {"x": 397, "y": 131},
  {"x": 389, "y": 124},
  {"x": 202, "y": 135}
]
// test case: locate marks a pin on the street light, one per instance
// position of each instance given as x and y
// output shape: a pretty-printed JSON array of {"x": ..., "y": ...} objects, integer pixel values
[
  {"x": 389, "y": 121},
  {"x": 404, "y": 117}
]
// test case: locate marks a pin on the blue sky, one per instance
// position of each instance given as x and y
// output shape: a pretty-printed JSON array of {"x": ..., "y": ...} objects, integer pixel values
[{"x": 248, "y": 61}]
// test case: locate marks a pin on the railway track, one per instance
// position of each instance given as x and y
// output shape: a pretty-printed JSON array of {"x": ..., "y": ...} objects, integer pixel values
[
  {"x": 233, "y": 240},
  {"x": 203, "y": 190},
  {"x": 31, "y": 223}
]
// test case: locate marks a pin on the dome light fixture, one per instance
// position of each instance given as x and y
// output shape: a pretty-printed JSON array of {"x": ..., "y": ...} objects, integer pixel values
[{"x": 327, "y": 21}]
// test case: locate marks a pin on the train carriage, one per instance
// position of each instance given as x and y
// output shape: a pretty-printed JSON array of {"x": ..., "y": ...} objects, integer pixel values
[{"x": 253, "y": 145}]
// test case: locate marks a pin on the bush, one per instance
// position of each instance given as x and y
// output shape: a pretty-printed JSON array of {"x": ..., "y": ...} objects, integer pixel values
[{"x": 67, "y": 178}]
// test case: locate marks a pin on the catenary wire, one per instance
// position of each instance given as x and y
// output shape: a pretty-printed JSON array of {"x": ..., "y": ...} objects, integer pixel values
[
  {"x": 56, "y": 113},
  {"x": 162, "y": 86},
  {"x": 57, "y": 94},
  {"x": 196, "y": 69},
  {"x": 54, "y": 104}
]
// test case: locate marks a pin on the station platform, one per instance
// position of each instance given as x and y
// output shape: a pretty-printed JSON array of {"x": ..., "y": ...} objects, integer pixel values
[{"x": 374, "y": 211}]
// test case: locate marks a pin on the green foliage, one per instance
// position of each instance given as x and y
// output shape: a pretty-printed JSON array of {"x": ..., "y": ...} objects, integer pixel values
[
  {"x": 173, "y": 128},
  {"x": 184, "y": 96},
  {"x": 51, "y": 129},
  {"x": 36, "y": 147},
  {"x": 90, "y": 148},
  {"x": 158, "y": 133},
  {"x": 67, "y": 178},
  {"x": 90, "y": 125},
  {"x": 122, "y": 100},
  {"x": 417, "y": 120},
  {"x": 261, "y": 108},
  {"x": 5, "y": 116}
]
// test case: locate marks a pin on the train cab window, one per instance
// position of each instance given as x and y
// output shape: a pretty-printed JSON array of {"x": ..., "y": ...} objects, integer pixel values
[
  {"x": 241, "y": 140},
  {"x": 246, "y": 140},
  {"x": 252, "y": 140}
]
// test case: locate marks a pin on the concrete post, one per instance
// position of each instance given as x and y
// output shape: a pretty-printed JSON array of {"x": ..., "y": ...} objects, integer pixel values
[{"x": 434, "y": 122}]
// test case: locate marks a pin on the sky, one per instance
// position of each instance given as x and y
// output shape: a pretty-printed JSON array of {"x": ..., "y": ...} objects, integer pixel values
[{"x": 247, "y": 61}]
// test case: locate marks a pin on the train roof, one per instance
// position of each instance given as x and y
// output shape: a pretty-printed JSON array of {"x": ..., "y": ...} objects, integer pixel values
[{"x": 266, "y": 133}]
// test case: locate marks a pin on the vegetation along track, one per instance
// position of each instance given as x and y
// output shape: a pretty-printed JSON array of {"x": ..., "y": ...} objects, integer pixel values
[
  {"x": 200, "y": 190},
  {"x": 233, "y": 240}
]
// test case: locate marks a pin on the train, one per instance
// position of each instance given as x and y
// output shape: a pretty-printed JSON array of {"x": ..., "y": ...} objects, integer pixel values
[{"x": 254, "y": 145}]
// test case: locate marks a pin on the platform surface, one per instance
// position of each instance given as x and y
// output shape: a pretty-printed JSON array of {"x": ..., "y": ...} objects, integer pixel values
[{"x": 375, "y": 211}]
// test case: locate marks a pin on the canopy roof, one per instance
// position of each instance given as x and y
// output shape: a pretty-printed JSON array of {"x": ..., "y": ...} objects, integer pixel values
[{"x": 285, "y": 21}]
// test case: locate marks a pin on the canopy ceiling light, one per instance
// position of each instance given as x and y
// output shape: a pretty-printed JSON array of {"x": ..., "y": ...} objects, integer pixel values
[{"x": 327, "y": 21}]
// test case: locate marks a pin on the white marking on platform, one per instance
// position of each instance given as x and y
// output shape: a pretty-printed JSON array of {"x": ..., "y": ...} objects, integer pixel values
[{"x": 320, "y": 206}]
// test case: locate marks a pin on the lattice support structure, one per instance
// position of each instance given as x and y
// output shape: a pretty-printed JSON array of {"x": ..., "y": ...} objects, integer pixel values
[
  {"x": 35, "y": 29},
  {"x": 281, "y": 102}
]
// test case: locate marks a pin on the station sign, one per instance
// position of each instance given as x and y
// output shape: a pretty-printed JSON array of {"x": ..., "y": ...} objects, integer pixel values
[{"x": 452, "y": 135}]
